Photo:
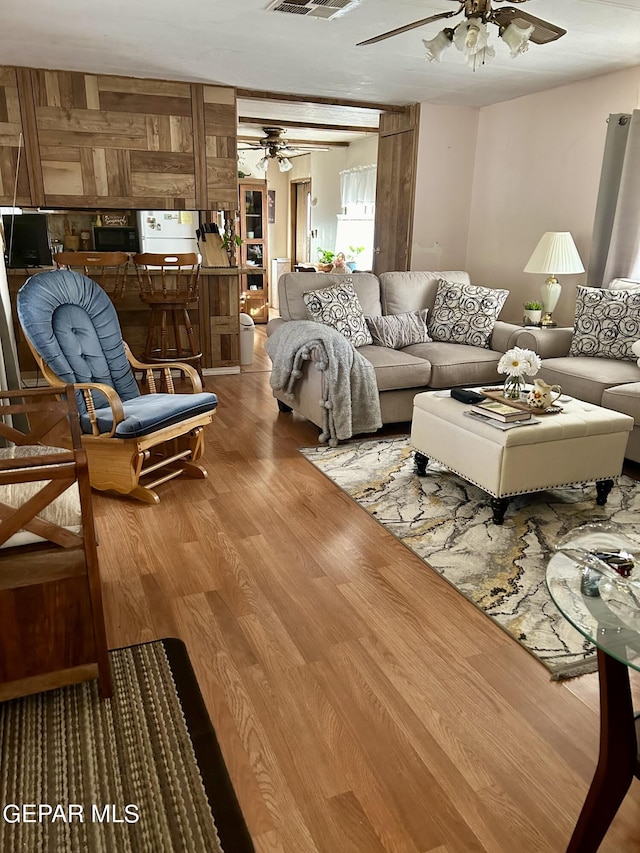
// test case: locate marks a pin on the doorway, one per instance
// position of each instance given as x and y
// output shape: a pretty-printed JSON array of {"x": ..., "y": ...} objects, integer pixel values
[{"x": 301, "y": 221}]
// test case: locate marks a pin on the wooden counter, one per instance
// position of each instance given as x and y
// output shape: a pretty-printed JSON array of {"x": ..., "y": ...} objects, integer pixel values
[{"x": 216, "y": 321}]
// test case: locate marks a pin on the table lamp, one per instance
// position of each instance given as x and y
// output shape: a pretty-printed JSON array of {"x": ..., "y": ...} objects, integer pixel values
[{"x": 555, "y": 253}]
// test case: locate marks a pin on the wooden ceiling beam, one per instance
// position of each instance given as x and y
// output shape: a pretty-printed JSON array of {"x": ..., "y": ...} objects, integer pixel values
[
  {"x": 269, "y": 122},
  {"x": 256, "y": 95}
]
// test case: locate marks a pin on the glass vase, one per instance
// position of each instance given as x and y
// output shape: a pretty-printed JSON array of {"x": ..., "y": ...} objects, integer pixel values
[{"x": 514, "y": 387}]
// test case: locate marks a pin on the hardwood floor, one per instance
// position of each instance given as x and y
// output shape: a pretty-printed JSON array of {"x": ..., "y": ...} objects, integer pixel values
[{"x": 362, "y": 704}]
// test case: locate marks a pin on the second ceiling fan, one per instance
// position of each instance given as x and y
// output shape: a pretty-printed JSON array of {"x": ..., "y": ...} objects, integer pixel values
[
  {"x": 471, "y": 36},
  {"x": 277, "y": 148}
]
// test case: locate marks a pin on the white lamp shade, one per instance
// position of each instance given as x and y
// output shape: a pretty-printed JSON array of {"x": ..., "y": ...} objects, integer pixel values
[
  {"x": 284, "y": 164},
  {"x": 517, "y": 38},
  {"x": 555, "y": 253},
  {"x": 436, "y": 46},
  {"x": 261, "y": 165}
]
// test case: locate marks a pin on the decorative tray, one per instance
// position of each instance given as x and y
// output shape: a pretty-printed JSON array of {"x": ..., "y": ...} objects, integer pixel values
[{"x": 495, "y": 394}]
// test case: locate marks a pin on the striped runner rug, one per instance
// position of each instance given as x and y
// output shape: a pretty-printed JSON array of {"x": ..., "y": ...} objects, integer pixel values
[{"x": 139, "y": 772}]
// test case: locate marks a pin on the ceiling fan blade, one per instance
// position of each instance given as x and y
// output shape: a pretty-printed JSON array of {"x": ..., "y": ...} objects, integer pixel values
[
  {"x": 413, "y": 26},
  {"x": 543, "y": 31}
]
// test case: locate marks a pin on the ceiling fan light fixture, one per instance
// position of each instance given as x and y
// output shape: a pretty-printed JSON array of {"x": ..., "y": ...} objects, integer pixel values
[
  {"x": 261, "y": 165},
  {"x": 436, "y": 46},
  {"x": 471, "y": 36},
  {"x": 517, "y": 38},
  {"x": 284, "y": 164}
]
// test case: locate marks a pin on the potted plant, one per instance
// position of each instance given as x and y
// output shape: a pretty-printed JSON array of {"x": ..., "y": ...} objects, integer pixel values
[
  {"x": 325, "y": 259},
  {"x": 532, "y": 313},
  {"x": 352, "y": 257}
]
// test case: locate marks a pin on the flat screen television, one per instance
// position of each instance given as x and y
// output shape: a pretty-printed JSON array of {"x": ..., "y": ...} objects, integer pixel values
[{"x": 27, "y": 240}]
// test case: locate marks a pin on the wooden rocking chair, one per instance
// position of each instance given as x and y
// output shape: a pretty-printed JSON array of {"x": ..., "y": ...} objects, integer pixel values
[
  {"x": 52, "y": 623},
  {"x": 134, "y": 441}
]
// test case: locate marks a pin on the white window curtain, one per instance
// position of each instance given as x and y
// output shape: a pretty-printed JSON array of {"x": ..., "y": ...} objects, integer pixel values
[
  {"x": 615, "y": 251},
  {"x": 358, "y": 186},
  {"x": 356, "y": 222}
]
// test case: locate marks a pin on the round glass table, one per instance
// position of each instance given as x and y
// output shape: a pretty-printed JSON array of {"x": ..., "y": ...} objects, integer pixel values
[{"x": 607, "y": 613}]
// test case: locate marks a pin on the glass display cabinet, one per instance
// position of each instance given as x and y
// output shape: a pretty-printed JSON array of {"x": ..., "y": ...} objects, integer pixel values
[{"x": 254, "y": 289}]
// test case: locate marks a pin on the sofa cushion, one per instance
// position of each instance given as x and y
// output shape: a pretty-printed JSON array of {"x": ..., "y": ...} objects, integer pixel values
[
  {"x": 399, "y": 330},
  {"x": 397, "y": 369},
  {"x": 411, "y": 291},
  {"x": 64, "y": 511},
  {"x": 458, "y": 364},
  {"x": 624, "y": 284},
  {"x": 339, "y": 307},
  {"x": 625, "y": 399},
  {"x": 465, "y": 313},
  {"x": 587, "y": 378},
  {"x": 292, "y": 286},
  {"x": 607, "y": 323}
]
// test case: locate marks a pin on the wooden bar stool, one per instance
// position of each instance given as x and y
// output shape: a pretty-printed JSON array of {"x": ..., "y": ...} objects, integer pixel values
[
  {"x": 169, "y": 285},
  {"x": 108, "y": 269}
]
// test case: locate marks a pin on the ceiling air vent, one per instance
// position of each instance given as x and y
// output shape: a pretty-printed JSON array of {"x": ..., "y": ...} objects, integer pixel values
[{"x": 313, "y": 8}]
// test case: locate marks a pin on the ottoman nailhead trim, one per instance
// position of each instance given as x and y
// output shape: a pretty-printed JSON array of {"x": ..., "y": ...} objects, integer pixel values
[{"x": 510, "y": 494}]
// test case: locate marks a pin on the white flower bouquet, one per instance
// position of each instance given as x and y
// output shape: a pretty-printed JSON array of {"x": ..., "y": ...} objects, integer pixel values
[{"x": 518, "y": 363}]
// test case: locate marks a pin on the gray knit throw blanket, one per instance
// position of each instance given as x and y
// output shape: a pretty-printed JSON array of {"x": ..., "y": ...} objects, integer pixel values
[{"x": 350, "y": 393}]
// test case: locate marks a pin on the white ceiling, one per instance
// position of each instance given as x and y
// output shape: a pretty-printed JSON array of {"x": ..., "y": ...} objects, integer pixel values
[{"x": 239, "y": 42}]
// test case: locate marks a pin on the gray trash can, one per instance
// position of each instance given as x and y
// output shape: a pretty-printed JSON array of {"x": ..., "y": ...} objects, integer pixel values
[{"x": 247, "y": 334}]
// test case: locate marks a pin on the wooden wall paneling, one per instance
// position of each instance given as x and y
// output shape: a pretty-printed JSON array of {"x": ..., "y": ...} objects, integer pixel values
[
  {"x": 102, "y": 141},
  {"x": 395, "y": 189},
  {"x": 199, "y": 146},
  {"x": 220, "y": 123},
  {"x": 126, "y": 142},
  {"x": 219, "y": 312},
  {"x": 16, "y": 85}
]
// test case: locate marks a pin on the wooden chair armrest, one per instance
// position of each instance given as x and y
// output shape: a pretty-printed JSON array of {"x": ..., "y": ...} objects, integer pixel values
[
  {"x": 113, "y": 400},
  {"x": 166, "y": 367}
]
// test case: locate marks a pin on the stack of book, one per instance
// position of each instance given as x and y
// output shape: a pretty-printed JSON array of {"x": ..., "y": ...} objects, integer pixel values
[
  {"x": 501, "y": 415},
  {"x": 500, "y": 411}
]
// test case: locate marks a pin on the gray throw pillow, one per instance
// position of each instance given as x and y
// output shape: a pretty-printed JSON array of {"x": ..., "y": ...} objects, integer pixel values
[
  {"x": 339, "y": 307},
  {"x": 399, "y": 330},
  {"x": 607, "y": 323},
  {"x": 465, "y": 313}
]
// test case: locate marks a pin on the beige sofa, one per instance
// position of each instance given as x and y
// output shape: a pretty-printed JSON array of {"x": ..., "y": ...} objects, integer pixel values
[
  {"x": 606, "y": 382},
  {"x": 400, "y": 374}
]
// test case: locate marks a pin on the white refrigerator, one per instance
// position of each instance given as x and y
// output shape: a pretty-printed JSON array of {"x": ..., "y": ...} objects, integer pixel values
[{"x": 168, "y": 231}]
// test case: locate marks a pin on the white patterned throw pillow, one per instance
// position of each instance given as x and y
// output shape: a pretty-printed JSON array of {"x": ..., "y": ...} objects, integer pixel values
[
  {"x": 399, "y": 330},
  {"x": 339, "y": 307},
  {"x": 607, "y": 323},
  {"x": 465, "y": 313}
]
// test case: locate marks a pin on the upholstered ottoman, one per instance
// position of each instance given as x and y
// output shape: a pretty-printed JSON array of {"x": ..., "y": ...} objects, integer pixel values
[{"x": 581, "y": 444}]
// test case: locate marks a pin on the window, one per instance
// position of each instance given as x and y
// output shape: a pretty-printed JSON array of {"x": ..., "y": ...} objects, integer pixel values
[{"x": 356, "y": 222}]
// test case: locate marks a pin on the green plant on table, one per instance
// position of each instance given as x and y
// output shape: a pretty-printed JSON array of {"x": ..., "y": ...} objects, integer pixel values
[
  {"x": 325, "y": 256},
  {"x": 226, "y": 240},
  {"x": 533, "y": 305},
  {"x": 354, "y": 251}
]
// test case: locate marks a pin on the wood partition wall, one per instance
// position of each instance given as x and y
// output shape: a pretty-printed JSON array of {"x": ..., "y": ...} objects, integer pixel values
[{"x": 98, "y": 141}]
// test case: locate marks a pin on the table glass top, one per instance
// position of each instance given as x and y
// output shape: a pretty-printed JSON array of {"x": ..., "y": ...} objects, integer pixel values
[{"x": 605, "y": 611}]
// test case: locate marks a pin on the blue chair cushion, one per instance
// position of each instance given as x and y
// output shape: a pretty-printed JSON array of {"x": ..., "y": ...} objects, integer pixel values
[
  {"x": 73, "y": 325},
  {"x": 151, "y": 412}
]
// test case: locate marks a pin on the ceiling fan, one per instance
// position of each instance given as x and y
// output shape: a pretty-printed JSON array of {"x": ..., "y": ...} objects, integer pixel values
[
  {"x": 471, "y": 36},
  {"x": 277, "y": 148}
]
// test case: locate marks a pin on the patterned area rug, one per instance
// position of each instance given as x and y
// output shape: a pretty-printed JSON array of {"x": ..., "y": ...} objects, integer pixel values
[
  {"x": 448, "y": 523},
  {"x": 138, "y": 773}
]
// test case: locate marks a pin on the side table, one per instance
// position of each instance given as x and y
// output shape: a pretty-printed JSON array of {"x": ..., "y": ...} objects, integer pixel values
[{"x": 596, "y": 615}]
